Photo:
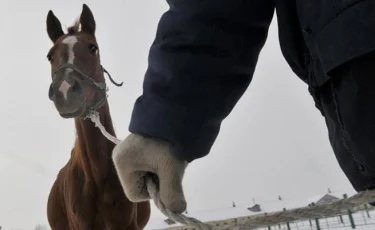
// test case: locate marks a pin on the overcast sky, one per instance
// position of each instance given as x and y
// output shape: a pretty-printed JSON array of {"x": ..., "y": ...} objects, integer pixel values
[{"x": 274, "y": 142}]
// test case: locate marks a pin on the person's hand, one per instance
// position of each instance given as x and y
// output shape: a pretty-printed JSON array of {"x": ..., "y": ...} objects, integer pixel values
[{"x": 137, "y": 157}]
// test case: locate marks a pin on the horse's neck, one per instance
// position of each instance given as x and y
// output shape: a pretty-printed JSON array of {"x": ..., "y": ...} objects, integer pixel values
[{"x": 92, "y": 148}]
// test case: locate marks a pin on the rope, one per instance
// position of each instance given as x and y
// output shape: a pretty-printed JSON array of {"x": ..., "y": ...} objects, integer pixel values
[
  {"x": 305, "y": 213},
  {"x": 94, "y": 116}
]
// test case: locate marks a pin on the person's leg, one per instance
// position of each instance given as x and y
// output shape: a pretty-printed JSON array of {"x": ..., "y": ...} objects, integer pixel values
[
  {"x": 348, "y": 105},
  {"x": 354, "y": 94}
]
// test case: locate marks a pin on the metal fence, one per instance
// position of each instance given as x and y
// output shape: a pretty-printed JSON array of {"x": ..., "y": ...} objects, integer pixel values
[{"x": 353, "y": 219}]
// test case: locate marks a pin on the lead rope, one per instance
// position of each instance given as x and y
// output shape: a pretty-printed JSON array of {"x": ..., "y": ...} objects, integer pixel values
[{"x": 306, "y": 213}]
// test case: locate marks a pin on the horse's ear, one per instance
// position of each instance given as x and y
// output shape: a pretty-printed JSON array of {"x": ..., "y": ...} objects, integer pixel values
[
  {"x": 87, "y": 20},
  {"x": 54, "y": 28}
]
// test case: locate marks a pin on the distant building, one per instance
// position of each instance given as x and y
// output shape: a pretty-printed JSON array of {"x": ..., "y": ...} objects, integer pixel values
[
  {"x": 255, "y": 208},
  {"x": 326, "y": 199}
]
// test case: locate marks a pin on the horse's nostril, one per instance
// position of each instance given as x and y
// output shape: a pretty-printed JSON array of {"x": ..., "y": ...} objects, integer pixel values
[
  {"x": 75, "y": 87},
  {"x": 51, "y": 93}
]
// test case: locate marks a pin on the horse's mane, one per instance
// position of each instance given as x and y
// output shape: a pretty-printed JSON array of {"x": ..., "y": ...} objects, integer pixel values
[{"x": 75, "y": 27}]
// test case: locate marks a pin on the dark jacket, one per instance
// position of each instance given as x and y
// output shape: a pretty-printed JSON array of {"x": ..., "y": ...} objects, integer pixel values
[{"x": 205, "y": 52}]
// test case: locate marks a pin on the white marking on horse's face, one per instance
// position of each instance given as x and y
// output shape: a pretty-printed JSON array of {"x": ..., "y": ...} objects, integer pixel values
[
  {"x": 64, "y": 88},
  {"x": 70, "y": 41}
]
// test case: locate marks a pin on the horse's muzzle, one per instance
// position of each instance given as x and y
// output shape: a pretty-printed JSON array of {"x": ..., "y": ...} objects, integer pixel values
[{"x": 68, "y": 96}]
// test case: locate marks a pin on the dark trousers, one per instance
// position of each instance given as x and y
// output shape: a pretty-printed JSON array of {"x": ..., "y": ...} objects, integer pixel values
[{"x": 347, "y": 103}]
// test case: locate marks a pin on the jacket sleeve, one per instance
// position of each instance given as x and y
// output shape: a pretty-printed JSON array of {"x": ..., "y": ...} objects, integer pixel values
[{"x": 200, "y": 64}]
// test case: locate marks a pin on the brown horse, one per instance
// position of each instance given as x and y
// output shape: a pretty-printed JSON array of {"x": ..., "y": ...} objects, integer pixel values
[{"x": 87, "y": 194}]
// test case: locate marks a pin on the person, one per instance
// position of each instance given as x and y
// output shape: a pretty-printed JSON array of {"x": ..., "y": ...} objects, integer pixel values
[{"x": 202, "y": 61}]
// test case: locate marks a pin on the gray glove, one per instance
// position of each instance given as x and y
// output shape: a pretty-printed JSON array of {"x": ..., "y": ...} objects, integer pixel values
[{"x": 137, "y": 156}]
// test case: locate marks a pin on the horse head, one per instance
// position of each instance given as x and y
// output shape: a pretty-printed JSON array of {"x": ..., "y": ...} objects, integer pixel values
[{"x": 78, "y": 85}]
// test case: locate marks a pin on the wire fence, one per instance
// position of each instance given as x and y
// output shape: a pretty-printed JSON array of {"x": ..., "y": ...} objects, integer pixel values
[{"x": 352, "y": 219}]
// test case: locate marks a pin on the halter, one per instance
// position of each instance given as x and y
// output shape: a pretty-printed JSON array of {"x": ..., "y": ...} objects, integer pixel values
[{"x": 101, "y": 85}]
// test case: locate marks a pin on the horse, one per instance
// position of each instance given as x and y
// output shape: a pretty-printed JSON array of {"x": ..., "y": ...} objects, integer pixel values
[{"x": 87, "y": 194}]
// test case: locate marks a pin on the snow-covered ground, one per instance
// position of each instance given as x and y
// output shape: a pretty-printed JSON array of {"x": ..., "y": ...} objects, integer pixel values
[{"x": 367, "y": 227}]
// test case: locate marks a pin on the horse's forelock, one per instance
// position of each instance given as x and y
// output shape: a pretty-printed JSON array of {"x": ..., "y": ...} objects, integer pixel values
[{"x": 75, "y": 28}]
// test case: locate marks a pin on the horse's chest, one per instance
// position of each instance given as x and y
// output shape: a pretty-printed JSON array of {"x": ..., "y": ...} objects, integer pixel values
[{"x": 91, "y": 205}]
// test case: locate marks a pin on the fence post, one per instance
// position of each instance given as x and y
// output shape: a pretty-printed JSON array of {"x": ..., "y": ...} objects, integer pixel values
[
  {"x": 364, "y": 217},
  {"x": 268, "y": 227},
  {"x": 317, "y": 224},
  {"x": 350, "y": 215},
  {"x": 287, "y": 223},
  {"x": 366, "y": 207}
]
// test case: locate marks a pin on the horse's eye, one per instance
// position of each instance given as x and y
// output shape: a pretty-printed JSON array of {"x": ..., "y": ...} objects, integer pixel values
[
  {"x": 93, "y": 49},
  {"x": 49, "y": 57}
]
